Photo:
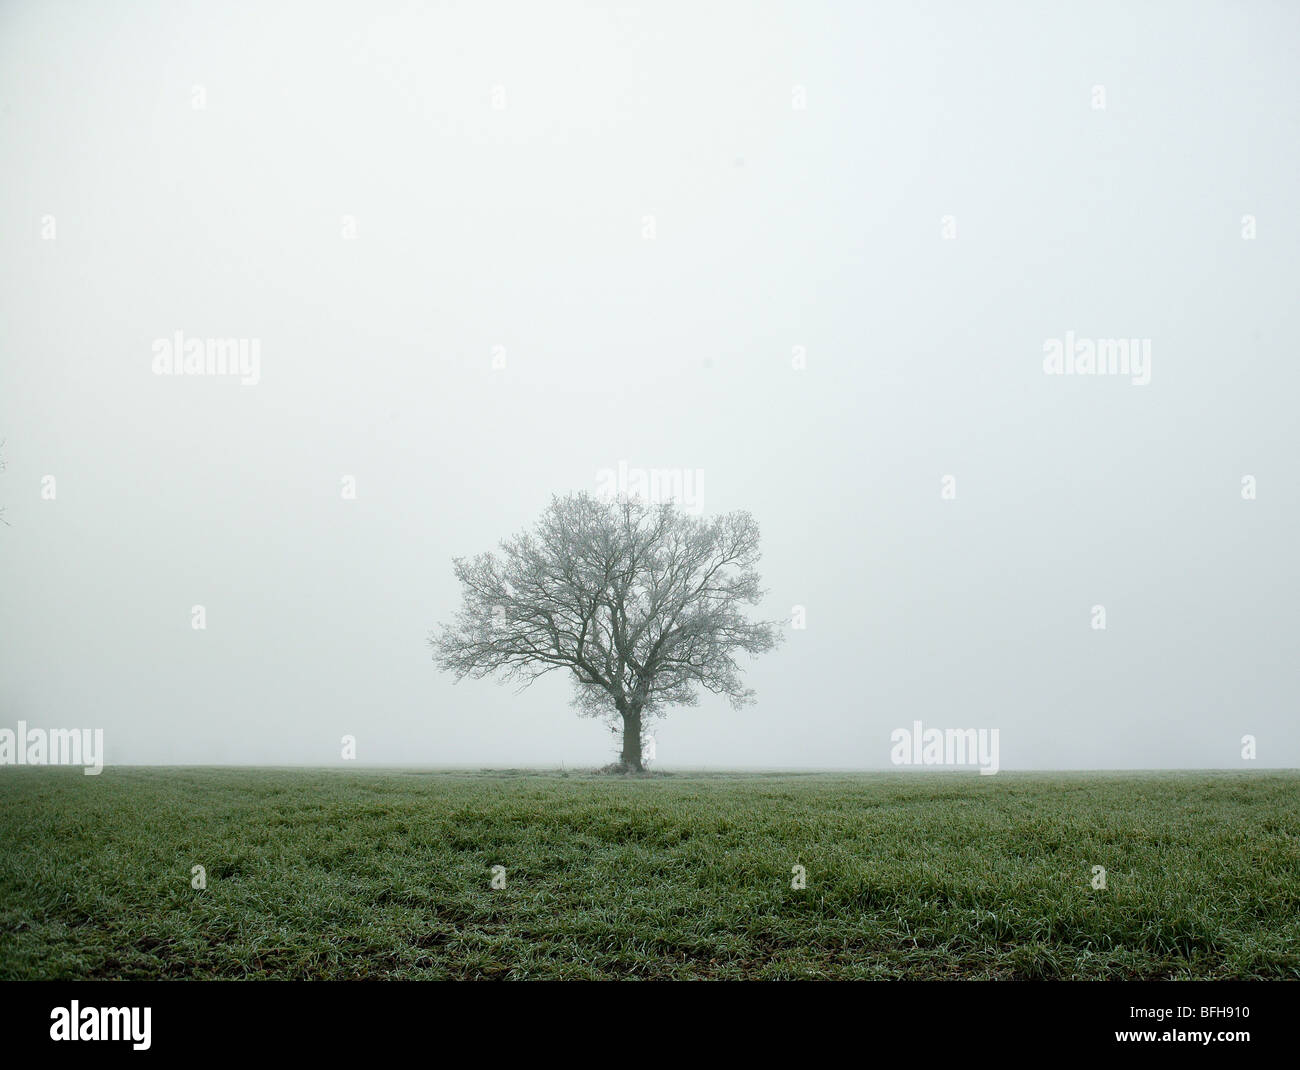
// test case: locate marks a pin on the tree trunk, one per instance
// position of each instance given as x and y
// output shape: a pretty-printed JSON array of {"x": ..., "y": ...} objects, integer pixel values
[{"x": 631, "y": 757}]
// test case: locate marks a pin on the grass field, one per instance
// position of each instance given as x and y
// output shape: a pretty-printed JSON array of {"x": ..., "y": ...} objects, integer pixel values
[{"x": 323, "y": 874}]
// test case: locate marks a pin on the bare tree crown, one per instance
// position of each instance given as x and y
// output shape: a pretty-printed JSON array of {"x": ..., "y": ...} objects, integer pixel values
[{"x": 641, "y": 604}]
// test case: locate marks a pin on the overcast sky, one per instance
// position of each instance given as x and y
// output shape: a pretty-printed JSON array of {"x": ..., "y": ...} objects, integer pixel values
[{"x": 487, "y": 250}]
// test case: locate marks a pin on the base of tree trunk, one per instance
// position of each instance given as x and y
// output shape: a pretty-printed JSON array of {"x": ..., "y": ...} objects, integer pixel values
[{"x": 623, "y": 769}]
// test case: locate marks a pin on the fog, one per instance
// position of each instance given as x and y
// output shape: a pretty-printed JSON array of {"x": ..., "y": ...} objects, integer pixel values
[{"x": 813, "y": 257}]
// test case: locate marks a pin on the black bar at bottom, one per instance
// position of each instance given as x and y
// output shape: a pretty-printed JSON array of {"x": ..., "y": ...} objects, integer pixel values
[{"x": 523, "y": 1019}]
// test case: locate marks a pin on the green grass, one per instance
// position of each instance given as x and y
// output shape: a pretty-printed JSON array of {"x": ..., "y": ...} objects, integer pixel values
[{"x": 320, "y": 874}]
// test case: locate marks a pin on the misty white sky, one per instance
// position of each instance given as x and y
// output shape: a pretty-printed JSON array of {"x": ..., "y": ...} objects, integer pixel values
[{"x": 774, "y": 226}]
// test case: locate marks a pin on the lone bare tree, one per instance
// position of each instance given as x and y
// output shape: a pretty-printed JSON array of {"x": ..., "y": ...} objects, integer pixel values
[{"x": 641, "y": 604}]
